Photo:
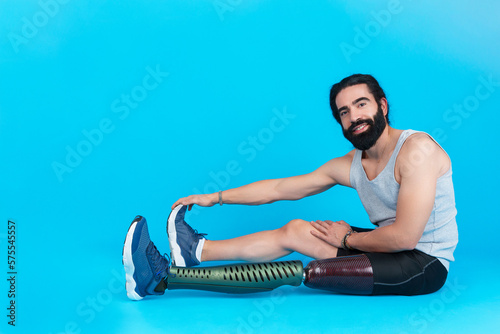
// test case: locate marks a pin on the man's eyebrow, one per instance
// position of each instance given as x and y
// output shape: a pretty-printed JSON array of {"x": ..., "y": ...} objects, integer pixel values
[
  {"x": 353, "y": 103},
  {"x": 360, "y": 99},
  {"x": 343, "y": 108}
]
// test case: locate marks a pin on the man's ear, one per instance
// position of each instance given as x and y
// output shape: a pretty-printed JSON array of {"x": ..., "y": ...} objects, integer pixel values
[{"x": 383, "y": 105}]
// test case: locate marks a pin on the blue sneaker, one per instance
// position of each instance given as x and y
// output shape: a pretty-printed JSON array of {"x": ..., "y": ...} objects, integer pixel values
[
  {"x": 145, "y": 268},
  {"x": 185, "y": 243}
]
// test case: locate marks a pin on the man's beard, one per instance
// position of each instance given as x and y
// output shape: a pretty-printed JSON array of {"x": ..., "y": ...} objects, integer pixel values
[{"x": 367, "y": 139}]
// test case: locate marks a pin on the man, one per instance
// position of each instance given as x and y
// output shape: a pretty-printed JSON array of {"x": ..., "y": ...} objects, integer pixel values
[{"x": 403, "y": 179}]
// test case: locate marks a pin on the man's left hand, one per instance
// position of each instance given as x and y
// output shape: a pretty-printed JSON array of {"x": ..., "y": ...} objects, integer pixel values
[{"x": 330, "y": 232}]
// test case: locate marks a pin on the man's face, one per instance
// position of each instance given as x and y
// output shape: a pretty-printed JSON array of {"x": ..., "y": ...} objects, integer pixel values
[{"x": 363, "y": 119}]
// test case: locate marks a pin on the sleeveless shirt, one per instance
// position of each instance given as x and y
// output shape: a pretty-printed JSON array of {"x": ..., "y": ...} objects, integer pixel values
[{"x": 379, "y": 198}]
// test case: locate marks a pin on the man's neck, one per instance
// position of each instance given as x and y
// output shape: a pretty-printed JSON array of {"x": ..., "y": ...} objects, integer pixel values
[{"x": 382, "y": 147}]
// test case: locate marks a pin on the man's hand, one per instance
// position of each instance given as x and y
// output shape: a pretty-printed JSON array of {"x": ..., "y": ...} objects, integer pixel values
[
  {"x": 330, "y": 232},
  {"x": 201, "y": 200}
]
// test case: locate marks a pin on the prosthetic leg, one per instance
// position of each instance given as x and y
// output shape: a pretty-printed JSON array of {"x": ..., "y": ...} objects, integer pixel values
[
  {"x": 349, "y": 274},
  {"x": 346, "y": 274},
  {"x": 236, "y": 278}
]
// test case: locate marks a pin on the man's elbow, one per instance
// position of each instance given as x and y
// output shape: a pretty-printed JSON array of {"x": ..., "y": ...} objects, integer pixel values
[{"x": 407, "y": 242}]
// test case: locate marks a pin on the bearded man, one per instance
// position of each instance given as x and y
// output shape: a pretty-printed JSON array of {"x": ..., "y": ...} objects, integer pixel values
[{"x": 404, "y": 181}]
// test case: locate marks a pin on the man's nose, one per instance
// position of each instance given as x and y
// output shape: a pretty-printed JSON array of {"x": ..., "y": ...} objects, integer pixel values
[{"x": 355, "y": 115}]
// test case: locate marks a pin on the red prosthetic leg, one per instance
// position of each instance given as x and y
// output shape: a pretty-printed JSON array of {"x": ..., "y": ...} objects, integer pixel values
[{"x": 347, "y": 274}]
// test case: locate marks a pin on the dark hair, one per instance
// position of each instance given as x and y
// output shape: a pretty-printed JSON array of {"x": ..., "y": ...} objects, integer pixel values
[{"x": 352, "y": 80}]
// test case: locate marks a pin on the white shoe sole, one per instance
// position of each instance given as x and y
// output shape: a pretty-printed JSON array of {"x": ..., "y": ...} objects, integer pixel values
[
  {"x": 128, "y": 264},
  {"x": 175, "y": 250}
]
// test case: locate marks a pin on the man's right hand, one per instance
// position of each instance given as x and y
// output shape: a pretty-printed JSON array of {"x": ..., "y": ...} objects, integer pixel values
[{"x": 201, "y": 200}]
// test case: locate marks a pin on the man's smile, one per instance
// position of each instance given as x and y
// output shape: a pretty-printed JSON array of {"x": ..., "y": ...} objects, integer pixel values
[{"x": 360, "y": 128}]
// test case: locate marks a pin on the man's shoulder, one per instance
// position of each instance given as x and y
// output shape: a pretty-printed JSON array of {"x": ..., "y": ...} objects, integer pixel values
[
  {"x": 338, "y": 168},
  {"x": 349, "y": 156},
  {"x": 422, "y": 143},
  {"x": 420, "y": 149},
  {"x": 344, "y": 160}
]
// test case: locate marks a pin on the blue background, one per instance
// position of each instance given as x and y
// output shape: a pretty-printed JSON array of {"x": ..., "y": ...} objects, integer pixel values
[{"x": 67, "y": 67}]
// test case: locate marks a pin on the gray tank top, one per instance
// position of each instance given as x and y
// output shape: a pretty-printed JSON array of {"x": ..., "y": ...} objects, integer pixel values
[{"x": 379, "y": 198}]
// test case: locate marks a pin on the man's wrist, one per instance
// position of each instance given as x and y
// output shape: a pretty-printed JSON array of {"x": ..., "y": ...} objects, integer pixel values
[
  {"x": 349, "y": 246},
  {"x": 214, "y": 198},
  {"x": 345, "y": 243}
]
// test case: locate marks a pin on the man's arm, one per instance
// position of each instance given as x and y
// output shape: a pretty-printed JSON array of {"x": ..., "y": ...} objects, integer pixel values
[
  {"x": 420, "y": 163},
  {"x": 335, "y": 171},
  {"x": 418, "y": 178}
]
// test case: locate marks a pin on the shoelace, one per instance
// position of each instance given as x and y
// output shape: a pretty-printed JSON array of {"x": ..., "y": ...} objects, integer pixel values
[
  {"x": 169, "y": 264},
  {"x": 195, "y": 232},
  {"x": 159, "y": 262}
]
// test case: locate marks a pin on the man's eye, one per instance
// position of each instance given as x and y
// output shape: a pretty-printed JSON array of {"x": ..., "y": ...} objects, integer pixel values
[
  {"x": 342, "y": 113},
  {"x": 362, "y": 104}
]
